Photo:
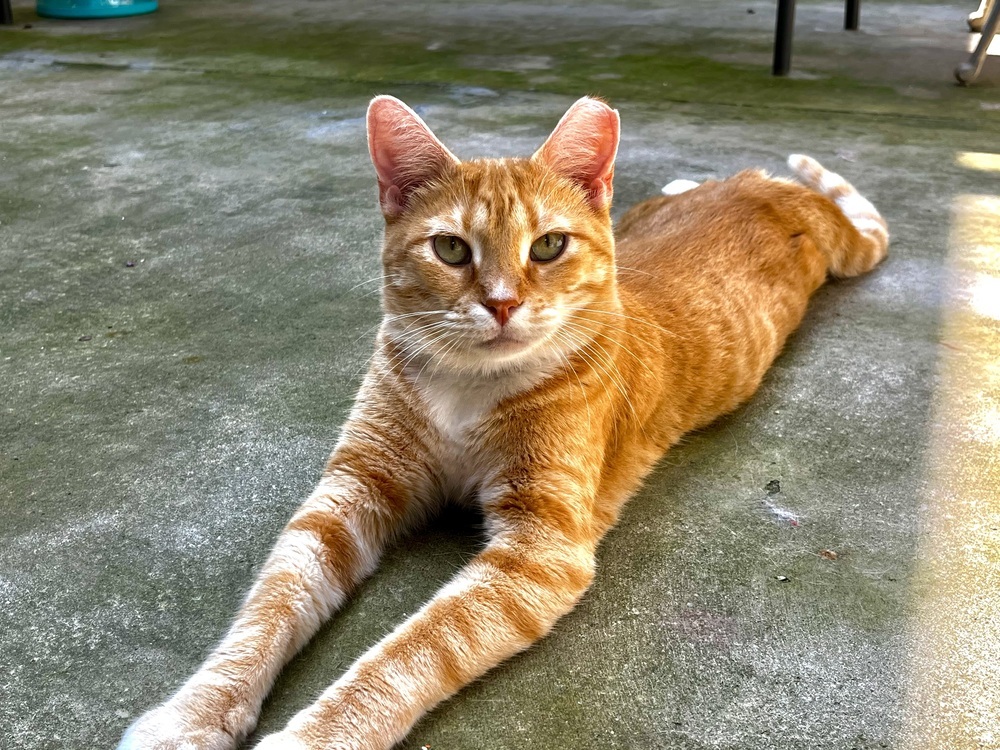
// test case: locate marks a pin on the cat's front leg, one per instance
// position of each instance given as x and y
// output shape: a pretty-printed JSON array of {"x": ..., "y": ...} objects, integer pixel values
[
  {"x": 332, "y": 542},
  {"x": 508, "y": 597}
]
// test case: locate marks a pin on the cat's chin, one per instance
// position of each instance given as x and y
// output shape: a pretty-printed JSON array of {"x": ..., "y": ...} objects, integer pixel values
[
  {"x": 496, "y": 356},
  {"x": 504, "y": 344}
]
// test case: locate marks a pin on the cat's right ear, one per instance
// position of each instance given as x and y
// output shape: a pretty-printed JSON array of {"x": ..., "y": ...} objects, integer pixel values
[{"x": 405, "y": 152}]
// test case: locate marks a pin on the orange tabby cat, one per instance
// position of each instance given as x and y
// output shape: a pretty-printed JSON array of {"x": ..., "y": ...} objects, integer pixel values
[{"x": 514, "y": 369}]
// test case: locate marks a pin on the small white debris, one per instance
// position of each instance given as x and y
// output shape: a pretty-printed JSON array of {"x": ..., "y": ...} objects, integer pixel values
[{"x": 679, "y": 186}]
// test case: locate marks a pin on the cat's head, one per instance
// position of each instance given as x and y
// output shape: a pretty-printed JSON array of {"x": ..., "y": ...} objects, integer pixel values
[{"x": 488, "y": 262}]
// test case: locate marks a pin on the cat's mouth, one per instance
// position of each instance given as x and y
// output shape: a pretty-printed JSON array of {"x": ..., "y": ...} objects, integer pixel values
[{"x": 504, "y": 342}]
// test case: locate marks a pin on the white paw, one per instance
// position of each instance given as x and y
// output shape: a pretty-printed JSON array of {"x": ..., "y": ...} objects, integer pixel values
[
  {"x": 167, "y": 728},
  {"x": 809, "y": 171},
  {"x": 281, "y": 741}
]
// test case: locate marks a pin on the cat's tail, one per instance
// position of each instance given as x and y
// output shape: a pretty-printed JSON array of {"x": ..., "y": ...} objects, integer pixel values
[{"x": 853, "y": 246}]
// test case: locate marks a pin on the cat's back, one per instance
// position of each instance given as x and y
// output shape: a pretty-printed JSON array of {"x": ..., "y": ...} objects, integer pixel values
[
  {"x": 718, "y": 212},
  {"x": 724, "y": 270},
  {"x": 718, "y": 230}
]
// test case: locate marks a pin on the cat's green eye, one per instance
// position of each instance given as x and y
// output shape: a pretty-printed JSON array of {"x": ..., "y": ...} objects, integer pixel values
[
  {"x": 548, "y": 246},
  {"x": 452, "y": 250}
]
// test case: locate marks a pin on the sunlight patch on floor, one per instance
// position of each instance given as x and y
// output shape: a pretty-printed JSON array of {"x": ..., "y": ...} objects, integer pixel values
[
  {"x": 978, "y": 160},
  {"x": 994, "y": 48},
  {"x": 953, "y": 670}
]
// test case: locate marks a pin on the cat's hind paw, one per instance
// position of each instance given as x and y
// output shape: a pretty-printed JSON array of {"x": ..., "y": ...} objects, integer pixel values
[{"x": 814, "y": 175}]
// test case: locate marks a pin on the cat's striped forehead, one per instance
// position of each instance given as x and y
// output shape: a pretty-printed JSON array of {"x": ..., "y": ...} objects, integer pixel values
[{"x": 501, "y": 202}]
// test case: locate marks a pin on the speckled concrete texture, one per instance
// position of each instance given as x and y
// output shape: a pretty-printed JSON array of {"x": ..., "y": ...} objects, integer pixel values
[{"x": 188, "y": 296}]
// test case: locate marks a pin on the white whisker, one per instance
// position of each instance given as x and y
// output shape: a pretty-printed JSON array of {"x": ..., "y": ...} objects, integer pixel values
[
  {"x": 635, "y": 270},
  {"x": 629, "y": 317},
  {"x": 381, "y": 277},
  {"x": 636, "y": 357}
]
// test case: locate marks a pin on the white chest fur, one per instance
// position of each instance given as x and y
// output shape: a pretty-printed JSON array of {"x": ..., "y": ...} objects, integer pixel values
[{"x": 457, "y": 404}]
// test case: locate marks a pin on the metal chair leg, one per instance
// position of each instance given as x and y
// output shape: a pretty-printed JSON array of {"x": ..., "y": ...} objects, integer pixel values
[
  {"x": 852, "y": 15},
  {"x": 783, "y": 38},
  {"x": 969, "y": 71}
]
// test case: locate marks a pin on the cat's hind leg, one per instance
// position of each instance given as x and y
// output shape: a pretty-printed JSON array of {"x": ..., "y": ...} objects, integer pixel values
[
  {"x": 332, "y": 542},
  {"x": 853, "y": 246}
]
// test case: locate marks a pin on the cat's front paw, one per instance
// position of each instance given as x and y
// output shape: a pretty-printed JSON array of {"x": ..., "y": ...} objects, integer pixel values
[
  {"x": 171, "y": 727},
  {"x": 282, "y": 741}
]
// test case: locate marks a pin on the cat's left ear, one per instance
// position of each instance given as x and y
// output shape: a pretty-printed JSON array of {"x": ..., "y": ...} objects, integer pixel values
[
  {"x": 404, "y": 151},
  {"x": 583, "y": 148}
]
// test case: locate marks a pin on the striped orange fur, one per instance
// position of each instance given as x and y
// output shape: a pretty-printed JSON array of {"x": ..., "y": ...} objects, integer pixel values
[{"x": 534, "y": 364}]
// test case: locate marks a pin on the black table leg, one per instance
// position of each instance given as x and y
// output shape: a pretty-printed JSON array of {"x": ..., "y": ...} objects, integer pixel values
[
  {"x": 6, "y": 15},
  {"x": 852, "y": 15},
  {"x": 783, "y": 38}
]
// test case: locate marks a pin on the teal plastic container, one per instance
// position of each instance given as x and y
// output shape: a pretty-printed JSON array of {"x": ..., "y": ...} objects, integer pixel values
[{"x": 94, "y": 8}]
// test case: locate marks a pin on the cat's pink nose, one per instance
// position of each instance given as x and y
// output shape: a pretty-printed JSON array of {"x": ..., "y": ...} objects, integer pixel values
[{"x": 502, "y": 308}]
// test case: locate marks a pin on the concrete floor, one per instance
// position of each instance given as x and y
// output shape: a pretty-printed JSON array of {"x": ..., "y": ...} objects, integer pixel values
[{"x": 188, "y": 239}]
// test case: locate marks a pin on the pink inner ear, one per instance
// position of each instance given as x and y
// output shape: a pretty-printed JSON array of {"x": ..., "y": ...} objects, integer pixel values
[
  {"x": 404, "y": 151},
  {"x": 583, "y": 148}
]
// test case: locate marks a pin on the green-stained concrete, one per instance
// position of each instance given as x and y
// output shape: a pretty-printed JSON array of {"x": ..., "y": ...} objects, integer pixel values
[{"x": 188, "y": 295}]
